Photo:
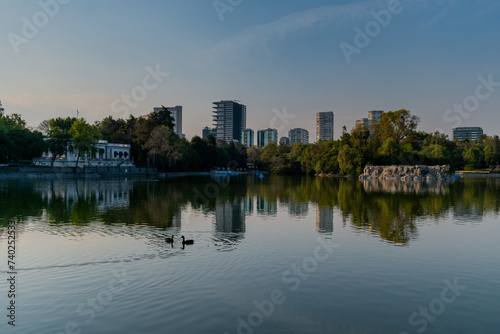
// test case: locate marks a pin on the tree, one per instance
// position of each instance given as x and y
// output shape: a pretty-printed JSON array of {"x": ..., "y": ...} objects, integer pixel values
[
  {"x": 472, "y": 159},
  {"x": 389, "y": 151},
  {"x": 489, "y": 156},
  {"x": 347, "y": 157},
  {"x": 26, "y": 145},
  {"x": 12, "y": 121},
  {"x": 164, "y": 145},
  {"x": 59, "y": 135},
  {"x": 492, "y": 151},
  {"x": 6, "y": 146},
  {"x": 190, "y": 158},
  {"x": 206, "y": 151},
  {"x": 435, "y": 154},
  {"x": 44, "y": 127},
  {"x": 84, "y": 137},
  {"x": 400, "y": 125},
  {"x": 161, "y": 118},
  {"x": 114, "y": 130}
]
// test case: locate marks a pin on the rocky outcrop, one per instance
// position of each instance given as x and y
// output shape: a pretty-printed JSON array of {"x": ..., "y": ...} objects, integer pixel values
[{"x": 407, "y": 173}]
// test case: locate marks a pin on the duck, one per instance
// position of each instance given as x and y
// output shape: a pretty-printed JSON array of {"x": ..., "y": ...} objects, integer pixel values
[
  {"x": 170, "y": 240},
  {"x": 187, "y": 242}
]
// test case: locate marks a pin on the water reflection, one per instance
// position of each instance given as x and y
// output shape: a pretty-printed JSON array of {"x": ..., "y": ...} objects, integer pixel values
[
  {"x": 266, "y": 206},
  {"x": 324, "y": 219},
  {"x": 398, "y": 186},
  {"x": 230, "y": 216},
  {"x": 387, "y": 210}
]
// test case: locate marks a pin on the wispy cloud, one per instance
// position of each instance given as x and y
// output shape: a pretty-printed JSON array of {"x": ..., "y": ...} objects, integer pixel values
[
  {"x": 260, "y": 35},
  {"x": 434, "y": 20}
]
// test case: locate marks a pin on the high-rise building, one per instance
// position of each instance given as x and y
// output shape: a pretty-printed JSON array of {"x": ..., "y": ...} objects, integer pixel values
[
  {"x": 207, "y": 131},
  {"x": 324, "y": 125},
  {"x": 230, "y": 118},
  {"x": 267, "y": 136},
  {"x": 470, "y": 133},
  {"x": 176, "y": 113},
  {"x": 285, "y": 141},
  {"x": 373, "y": 119},
  {"x": 247, "y": 137},
  {"x": 298, "y": 135},
  {"x": 375, "y": 115}
]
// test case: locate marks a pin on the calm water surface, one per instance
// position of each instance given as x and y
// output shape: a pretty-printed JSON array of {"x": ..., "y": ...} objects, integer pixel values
[{"x": 278, "y": 255}]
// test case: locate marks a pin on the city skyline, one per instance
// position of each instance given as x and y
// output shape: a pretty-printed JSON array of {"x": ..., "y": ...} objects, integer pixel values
[{"x": 280, "y": 60}]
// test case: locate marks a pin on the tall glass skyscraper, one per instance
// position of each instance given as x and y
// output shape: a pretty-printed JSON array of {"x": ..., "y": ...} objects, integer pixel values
[
  {"x": 230, "y": 119},
  {"x": 324, "y": 125}
]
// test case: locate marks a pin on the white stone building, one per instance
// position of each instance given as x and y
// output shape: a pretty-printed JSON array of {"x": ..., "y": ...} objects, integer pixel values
[{"x": 107, "y": 155}]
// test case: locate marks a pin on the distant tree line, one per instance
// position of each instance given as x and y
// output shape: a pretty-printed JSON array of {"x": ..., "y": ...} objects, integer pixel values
[
  {"x": 393, "y": 141},
  {"x": 151, "y": 138},
  {"x": 18, "y": 143}
]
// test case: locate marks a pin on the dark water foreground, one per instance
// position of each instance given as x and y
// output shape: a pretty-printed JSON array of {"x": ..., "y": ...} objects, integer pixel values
[{"x": 278, "y": 255}]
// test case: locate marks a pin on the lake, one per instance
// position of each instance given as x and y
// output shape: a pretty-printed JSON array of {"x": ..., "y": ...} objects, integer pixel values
[{"x": 277, "y": 255}]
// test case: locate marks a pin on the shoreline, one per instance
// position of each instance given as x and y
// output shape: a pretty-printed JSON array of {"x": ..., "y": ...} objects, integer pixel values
[{"x": 140, "y": 172}]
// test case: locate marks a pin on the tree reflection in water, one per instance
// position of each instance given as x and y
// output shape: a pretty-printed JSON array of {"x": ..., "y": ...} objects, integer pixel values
[{"x": 386, "y": 209}]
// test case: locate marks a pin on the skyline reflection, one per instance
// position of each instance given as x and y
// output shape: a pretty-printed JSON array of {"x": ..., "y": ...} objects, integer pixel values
[{"x": 385, "y": 210}]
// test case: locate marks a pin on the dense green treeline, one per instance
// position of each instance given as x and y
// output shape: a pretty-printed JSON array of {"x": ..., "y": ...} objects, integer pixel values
[
  {"x": 393, "y": 141},
  {"x": 151, "y": 138},
  {"x": 18, "y": 143}
]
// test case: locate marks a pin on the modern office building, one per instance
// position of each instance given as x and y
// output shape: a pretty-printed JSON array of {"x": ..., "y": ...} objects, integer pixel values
[
  {"x": 247, "y": 137},
  {"x": 267, "y": 136},
  {"x": 324, "y": 125},
  {"x": 285, "y": 141},
  {"x": 298, "y": 135},
  {"x": 374, "y": 117},
  {"x": 470, "y": 133},
  {"x": 207, "y": 131},
  {"x": 176, "y": 113},
  {"x": 230, "y": 118}
]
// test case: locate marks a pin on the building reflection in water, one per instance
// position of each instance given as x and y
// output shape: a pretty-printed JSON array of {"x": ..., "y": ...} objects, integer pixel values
[
  {"x": 108, "y": 196},
  {"x": 249, "y": 204},
  {"x": 177, "y": 220},
  {"x": 324, "y": 219},
  {"x": 298, "y": 209},
  {"x": 230, "y": 216},
  {"x": 267, "y": 207}
]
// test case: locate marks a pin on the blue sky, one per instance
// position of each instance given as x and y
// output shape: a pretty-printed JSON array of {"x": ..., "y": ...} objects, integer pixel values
[{"x": 271, "y": 55}]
